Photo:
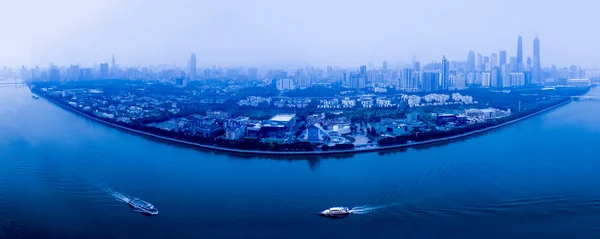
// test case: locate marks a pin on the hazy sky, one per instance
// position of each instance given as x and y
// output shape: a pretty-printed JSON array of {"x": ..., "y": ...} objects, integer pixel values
[{"x": 319, "y": 32}]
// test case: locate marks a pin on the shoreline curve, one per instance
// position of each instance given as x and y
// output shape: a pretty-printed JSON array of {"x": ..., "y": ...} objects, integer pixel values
[{"x": 300, "y": 153}]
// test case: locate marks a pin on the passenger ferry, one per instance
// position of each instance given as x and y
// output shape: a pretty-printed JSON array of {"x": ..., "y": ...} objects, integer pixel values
[
  {"x": 336, "y": 212},
  {"x": 143, "y": 206}
]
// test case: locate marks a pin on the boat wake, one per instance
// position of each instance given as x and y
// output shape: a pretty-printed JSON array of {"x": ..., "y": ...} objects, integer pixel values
[
  {"x": 367, "y": 209},
  {"x": 117, "y": 195}
]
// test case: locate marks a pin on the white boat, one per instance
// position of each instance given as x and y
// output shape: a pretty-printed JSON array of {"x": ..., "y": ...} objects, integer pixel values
[
  {"x": 142, "y": 206},
  {"x": 335, "y": 212}
]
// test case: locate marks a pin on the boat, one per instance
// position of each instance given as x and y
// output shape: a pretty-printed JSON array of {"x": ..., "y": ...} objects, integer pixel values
[
  {"x": 335, "y": 212},
  {"x": 35, "y": 97},
  {"x": 142, "y": 206}
]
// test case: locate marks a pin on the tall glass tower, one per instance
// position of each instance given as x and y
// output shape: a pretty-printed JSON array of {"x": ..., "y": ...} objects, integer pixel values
[
  {"x": 519, "y": 66},
  {"x": 445, "y": 72},
  {"x": 536, "y": 70}
]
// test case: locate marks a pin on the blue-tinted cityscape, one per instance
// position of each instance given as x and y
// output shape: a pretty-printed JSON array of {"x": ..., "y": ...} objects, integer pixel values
[
  {"x": 313, "y": 110},
  {"x": 495, "y": 70},
  {"x": 486, "y": 145}
]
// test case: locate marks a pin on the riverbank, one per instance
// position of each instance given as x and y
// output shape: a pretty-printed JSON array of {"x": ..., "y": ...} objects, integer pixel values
[{"x": 282, "y": 153}]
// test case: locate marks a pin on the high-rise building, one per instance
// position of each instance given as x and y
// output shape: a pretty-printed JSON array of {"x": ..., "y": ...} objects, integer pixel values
[
  {"x": 502, "y": 58},
  {"x": 113, "y": 65},
  {"x": 506, "y": 70},
  {"x": 73, "y": 73},
  {"x": 85, "y": 74},
  {"x": 113, "y": 71},
  {"x": 513, "y": 64},
  {"x": 445, "y": 71},
  {"x": 103, "y": 72},
  {"x": 363, "y": 70},
  {"x": 192, "y": 67},
  {"x": 486, "y": 64},
  {"x": 458, "y": 81},
  {"x": 407, "y": 78},
  {"x": 517, "y": 79},
  {"x": 285, "y": 84},
  {"x": 494, "y": 60},
  {"x": 495, "y": 78},
  {"x": 431, "y": 81},
  {"x": 357, "y": 81},
  {"x": 385, "y": 65},
  {"x": 416, "y": 80},
  {"x": 471, "y": 61},
  {"x": 519, "y": 55},
  {"x": 536, "y": 71},
  {"x": 54, "y": 74},
  {"x": 486, "y": 79},
  {"x": 528, "y": 65},
  {"x": 479, "y": 61},
  {"x": 416, "y": 66}
]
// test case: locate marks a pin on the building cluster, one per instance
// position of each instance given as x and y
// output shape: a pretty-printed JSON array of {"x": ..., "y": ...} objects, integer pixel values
[
  {"x": 398, "y": 127},
  {"x": 470, "y": 116},
  {"x": 496, "y": 70}
]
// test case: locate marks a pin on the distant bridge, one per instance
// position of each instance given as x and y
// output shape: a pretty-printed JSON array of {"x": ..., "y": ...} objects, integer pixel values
[
  {"x": 586, "y": 97},
  {"x": 12, "y": 83},
  {"x": 16, "y": 81}
]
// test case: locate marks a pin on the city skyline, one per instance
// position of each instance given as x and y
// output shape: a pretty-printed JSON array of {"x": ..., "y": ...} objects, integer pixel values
[
  {"x": 481, "y": 61},
  {"x": 270, "y": 33}
]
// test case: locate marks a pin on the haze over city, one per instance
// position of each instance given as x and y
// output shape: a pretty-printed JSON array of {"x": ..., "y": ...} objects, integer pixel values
[{"x": 291, "y": 33}]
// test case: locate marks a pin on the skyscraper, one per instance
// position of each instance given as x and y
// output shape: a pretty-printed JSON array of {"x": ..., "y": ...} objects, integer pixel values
[
  {"x": 431, "y": 81},
  {"x": 445, "y": 72},
  {"x": 512, "y": 63},
  {"x": 494, "y": 60},
  {"x": 495, "y": 77},
  {"x": 103, "y": 71},
  {"x": 486, "y": 64},
  {"x": 519, "y": 54},
  {"x": 471, "y": 61},
  {"x": 192, "y": 67},
  {"x": 407, "y": 78},
  {"x": 506, "y": 70},
  {"x": 535, "y": 72},
  {"x": 479, "y": 61},
  {"x": 502, "y": 58},
  {"x": 54, "y": 74},
  {"x": 528, "y": 65},
  {"x": 385, "y": 65},
  {"x": 113, "y": 67},
  {"x": 416, "y": 66},
  {"x": 363, "y": 70}
]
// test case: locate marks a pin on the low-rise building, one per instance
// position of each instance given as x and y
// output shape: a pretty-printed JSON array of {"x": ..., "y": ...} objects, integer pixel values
[
  {"x": 393, "y": 127},
  {"x": 366, "y": 102},
  {"x": 579, "y": 82},
  {"x": 220, "y": 115},
  {"x": 486, "y": 114},
  {"x": 288, "y": 120},
  {"x": 413, "y": 117},
  {"x": 205, "y": 126},
  {"x": 235, "y": 129},
  {"x": 315, "y": 119},
  {"x": 314, "y": 134},
  {"x": 442, "y": 119}
]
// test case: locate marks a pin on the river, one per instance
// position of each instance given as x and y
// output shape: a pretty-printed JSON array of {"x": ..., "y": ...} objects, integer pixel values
[{"x": 61, "y": 176}]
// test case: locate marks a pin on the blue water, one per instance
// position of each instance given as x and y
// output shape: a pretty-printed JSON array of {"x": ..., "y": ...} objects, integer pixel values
[{"x": 539, "y": 178}]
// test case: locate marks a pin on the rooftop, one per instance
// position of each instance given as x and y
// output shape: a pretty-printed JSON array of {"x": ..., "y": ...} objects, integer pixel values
[{"x": 283, "y": 118}]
